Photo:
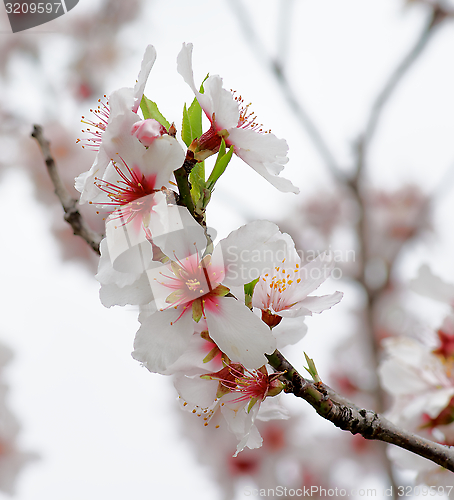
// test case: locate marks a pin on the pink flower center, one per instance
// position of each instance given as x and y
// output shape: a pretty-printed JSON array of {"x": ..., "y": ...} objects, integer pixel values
[
  {"x": 131, "y": 195},
  {"x": 191, "y": 280},
  {"x": 99, "y": 124},
  {"x": 250, "y": 384}
]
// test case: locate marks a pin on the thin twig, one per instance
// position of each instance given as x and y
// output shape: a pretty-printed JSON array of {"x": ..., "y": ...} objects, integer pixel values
[
  {"x": 437, "y": 15},
  {"x": 69, "y": 204},
  {"x": 349, "y": 417},
  {"x": 373, "y": 294}
]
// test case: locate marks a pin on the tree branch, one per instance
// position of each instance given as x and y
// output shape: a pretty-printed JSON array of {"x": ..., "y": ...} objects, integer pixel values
[
  {"x": 437, "y": 16},
  {"x": 69, "y": 204},
  {"x": 347, "y": 416},
  {"x": 276, "y": 68}
]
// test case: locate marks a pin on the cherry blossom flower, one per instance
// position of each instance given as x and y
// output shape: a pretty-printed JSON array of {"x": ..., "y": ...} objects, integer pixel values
[
  {"x": 135, "y": 174},
  {"x": 422, "y": 384},
  {"x": 112, "y": 126},
  {"x": 284, "y": 290},
  {"x": 136, "y": 159},
  {"x": 419, "y": 380},
  {"x": 237, "y": 394},
  {"x": 192, "y": 286},
  {"x": 230, "y": 119}
]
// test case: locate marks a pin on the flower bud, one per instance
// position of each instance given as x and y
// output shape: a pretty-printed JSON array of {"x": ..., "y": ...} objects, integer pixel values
[{"x": 147, "y": 131}]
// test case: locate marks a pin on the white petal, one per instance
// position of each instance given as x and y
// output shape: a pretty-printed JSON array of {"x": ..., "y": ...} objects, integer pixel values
[
  {"x": 313, "y": 304},
  {"x": 118, "y": 142},
  {"x": 120, "y": 103},
  {"x": 281, "y": 183},
  {"x": 252, "y": 440},
  {"x": 272, "y": 409},
  {"x": 410, "y": 368},
  {"x": 196, "y": 391},
  {"x": 180, "y": 235},
  {"x": 128, "y": 247},
  {"x": 248, "y": 252},
  {"x": 429, "y": 285},
  {"x": 222, "y": 103},
  {"x": 184, "y": 67},
  {"x": 85, "y": 182},
  {"x": 107, "y": 275},
  {"x": 241, "y": 423},
  {"x": 265, "y": 153},
  {"x": 312, "y": 275},
  {"x": 289, "y": 331},
  {"x": 149, "y": 59},
  {"x": 162, "y": 339},
  {"x": 239, "y": 332},
  {"x": 163, "y": 157},
  {"x": 138, "y": 293},
  {"x": 263, "y": 148}
]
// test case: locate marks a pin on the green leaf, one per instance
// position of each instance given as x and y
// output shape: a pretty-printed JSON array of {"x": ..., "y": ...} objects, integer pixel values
[
  {"x": 150, "y": 110},
  {"x": 222, "y": 161},
  {"x": 197, "y": 180},
  {"x": 195, "y": 116},
  {"x": 210, "y": 356},
  {"x": 197, "y": 310},
  {"x": 312, "y": 370},
  {"x": 248, "y": 292},
  {"x": 251, "y": 404},
  {"x": 186, "y": 132},
  {"x": 192, "y": 122}
]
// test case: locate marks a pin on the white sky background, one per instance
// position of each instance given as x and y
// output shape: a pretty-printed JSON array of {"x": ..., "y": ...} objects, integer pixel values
[{"x": 102, "y": 424}]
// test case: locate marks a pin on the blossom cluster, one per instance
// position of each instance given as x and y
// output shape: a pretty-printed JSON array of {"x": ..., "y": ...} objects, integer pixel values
[
  {"x": 209, "y": 313},
  {"x": 419, "y": 375}
]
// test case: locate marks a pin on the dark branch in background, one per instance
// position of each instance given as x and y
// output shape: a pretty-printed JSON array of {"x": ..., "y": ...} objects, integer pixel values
[
  {"x": 283, "y": 33},
  {"x": 275, "y": 66},
  {"x": 437, "y": 16},
  {"x": 348, "y": 417},
  {"x": 322, "y": 398},
  {"x": 356, "y": 184},
  {"x": 69, "y": 204},
  {"x": 372, "y": 425},
  {"x": 326, "y": 402}
]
